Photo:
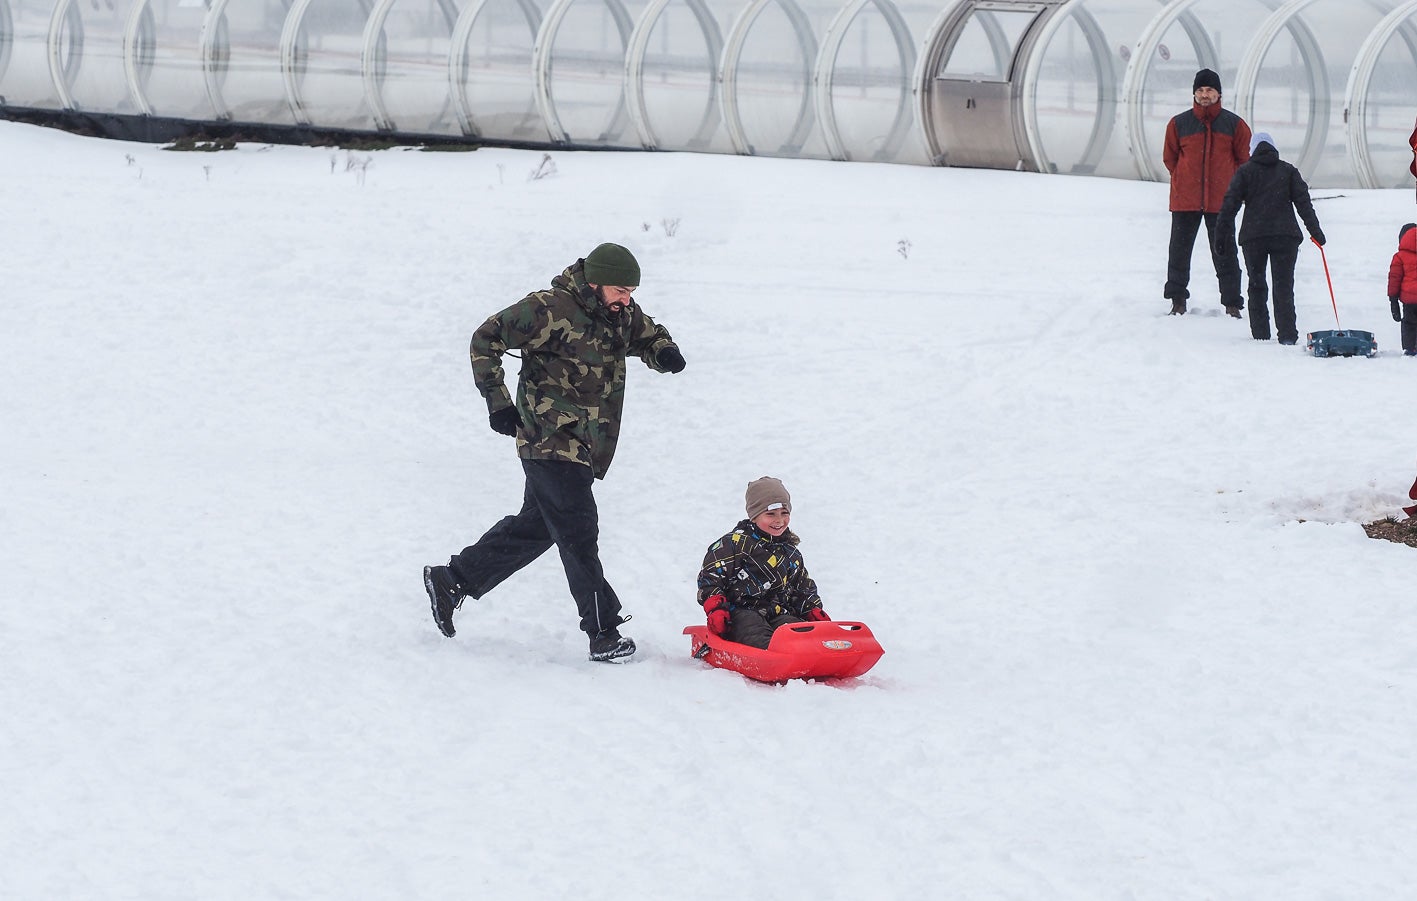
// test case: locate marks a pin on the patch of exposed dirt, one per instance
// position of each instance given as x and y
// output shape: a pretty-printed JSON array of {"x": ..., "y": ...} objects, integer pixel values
[{"x": 1402, "y": 531}]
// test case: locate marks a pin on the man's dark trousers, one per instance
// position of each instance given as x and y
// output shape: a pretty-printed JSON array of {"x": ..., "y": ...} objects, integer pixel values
[
  {"x": 557, "y": 508},
  {"x": 1281, "y": 254},
  {"x": 1184, "y": 227}
]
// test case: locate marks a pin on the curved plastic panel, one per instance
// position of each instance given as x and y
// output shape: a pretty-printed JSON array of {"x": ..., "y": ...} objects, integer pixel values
[
  {"x": 407, "y": 45},
  {"x": 863, "y": 95},
  {"x": 1380, "y": 100},
  {"x": 163, "y": 58},
  {"x": 1063, "y": 86},
  {"x": 1301, "y": 60},
  {"x": 7, "y": 33},
  {"x": 25, "y": 79},
  {"x": 767, "y": 68},
  {"x": 580, "y": 73},
  {"x": 1072, "y": 88},
  {"x": 241, "y": 58},
  {"x": 671, "y": 75},
  {"x": 322, "y": 60},
  {"x": 86, "y": 55},
  {"x": 490, "y": 70}
]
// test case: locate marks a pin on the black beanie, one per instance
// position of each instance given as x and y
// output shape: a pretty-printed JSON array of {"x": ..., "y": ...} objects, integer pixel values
[
  {"x": 1405, "y": 229},
  {"x": 1206, "y": 78},
  {"x": 611, "y": 264}
]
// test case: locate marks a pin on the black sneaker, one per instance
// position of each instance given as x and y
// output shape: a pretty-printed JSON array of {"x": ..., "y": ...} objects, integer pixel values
[
  {"x": 610, "y": 645},
  {"x": 1178, "y": 307},
  {"x": 444, "y": 595}
]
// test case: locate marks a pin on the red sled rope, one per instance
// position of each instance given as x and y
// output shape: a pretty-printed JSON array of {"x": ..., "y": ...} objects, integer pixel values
[{"x": 1323, "y": 256}]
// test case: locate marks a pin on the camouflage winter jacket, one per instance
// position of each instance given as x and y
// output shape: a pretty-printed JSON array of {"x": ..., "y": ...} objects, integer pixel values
[
  {"x": 572, "y": 385},
  {"x": 753, "y": 569}
]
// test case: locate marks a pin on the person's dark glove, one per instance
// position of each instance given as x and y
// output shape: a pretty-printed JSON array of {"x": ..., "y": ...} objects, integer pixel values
[
  {"x": 505, "y": 421},
  {"x": 1318, "y": 237},
  {"x": 818, "y": 615},
  {"x": 1224, "y": 245},
  {"x": 670, "y": 358},
  {"x": 716, "y": 609},
  {"x": 1396, "y": 309}
]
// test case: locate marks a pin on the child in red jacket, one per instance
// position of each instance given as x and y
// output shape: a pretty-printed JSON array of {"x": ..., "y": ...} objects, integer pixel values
[{"x": 1402, "y": 287}]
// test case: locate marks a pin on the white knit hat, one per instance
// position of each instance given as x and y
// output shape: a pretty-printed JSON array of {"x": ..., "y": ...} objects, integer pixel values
[{"x": 1259, "y": 136}]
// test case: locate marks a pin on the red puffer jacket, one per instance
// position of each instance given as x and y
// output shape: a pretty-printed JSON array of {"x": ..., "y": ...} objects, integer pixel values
[
  {"x": 1204, "y": 147},
  {"x": 1402, "y": 273},
  {"x": 1412, "y": 167}
]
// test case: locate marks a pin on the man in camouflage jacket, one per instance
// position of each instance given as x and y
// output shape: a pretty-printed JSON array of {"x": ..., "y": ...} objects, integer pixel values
[{"x": 573, "y": 339}]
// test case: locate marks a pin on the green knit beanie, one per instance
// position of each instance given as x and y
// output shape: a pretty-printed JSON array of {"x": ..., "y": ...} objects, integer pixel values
[{"x": 611, "y": 264}]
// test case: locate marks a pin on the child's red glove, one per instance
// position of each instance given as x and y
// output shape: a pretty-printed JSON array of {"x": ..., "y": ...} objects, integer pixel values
[
  {"x": 716, "y": 609},
  {"x": 818, "y": 615}
]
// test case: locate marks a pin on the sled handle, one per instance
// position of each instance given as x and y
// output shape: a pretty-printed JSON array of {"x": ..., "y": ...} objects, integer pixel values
[
  {"x": 826, "y": 624},
  {"x": 1323, "y": 256}
]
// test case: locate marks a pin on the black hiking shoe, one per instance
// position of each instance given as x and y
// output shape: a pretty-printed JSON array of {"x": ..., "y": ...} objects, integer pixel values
[
  {"x": 610, "y": 645},
  {"x": 445, "y": 596},
  {"x": 1178, "y": 307},
  {"x": 1232, "y": 312}
]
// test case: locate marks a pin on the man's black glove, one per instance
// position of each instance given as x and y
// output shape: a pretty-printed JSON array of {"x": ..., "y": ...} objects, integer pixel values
[
  {"x": 670, "y": 358},
  {"x": 1225, "y": 244},
  {"x": 505, "y": 421},
  {"x": 1396, "y": 309}
]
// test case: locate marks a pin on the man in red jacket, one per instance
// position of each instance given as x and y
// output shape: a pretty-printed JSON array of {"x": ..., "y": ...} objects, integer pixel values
[{"x": 1204, "y": 147}]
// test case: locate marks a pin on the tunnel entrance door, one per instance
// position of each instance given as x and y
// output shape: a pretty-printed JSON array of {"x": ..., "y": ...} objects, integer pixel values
[{"x": 970, "y": 74}]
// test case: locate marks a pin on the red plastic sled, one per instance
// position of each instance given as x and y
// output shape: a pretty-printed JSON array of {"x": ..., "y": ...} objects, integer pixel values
[{"x": 813, "y": 650}]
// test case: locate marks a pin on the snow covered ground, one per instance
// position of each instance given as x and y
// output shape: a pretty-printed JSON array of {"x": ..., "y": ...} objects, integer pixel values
[{"x": 1137, "y": 643}]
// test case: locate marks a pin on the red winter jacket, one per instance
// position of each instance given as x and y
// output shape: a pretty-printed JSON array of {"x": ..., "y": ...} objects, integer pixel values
[
  {"x": 1402, "y": 273},
  {"x": 1204, "y": 147},
  {"x": 1412, "y": 167}
]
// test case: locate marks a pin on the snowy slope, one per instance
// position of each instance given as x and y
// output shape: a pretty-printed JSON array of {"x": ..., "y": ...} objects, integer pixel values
[{"x": 1137, "y": 644}]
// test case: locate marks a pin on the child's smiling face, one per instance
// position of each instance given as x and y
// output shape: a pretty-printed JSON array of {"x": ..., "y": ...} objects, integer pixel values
[{"x": 774, "y": 522}]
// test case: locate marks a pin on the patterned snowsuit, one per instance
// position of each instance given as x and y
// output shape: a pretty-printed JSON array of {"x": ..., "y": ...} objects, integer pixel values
[{"x": 764, "y": 580}]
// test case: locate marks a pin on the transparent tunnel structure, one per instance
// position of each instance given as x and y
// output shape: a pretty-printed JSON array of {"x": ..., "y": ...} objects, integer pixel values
[{"x": 1059, "y": 86}]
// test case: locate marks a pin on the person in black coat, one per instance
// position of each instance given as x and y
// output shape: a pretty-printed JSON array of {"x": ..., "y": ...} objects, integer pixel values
[{"x": 1270, "y": 190}]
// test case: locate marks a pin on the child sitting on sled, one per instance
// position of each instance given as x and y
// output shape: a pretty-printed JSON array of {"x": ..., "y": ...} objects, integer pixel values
[
  {"x": 1402, "y": 287},
  {"x": 753, "y": 579}
]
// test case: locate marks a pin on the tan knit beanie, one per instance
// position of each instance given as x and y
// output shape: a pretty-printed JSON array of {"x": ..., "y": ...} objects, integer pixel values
[{"x": 766, "y": 493}]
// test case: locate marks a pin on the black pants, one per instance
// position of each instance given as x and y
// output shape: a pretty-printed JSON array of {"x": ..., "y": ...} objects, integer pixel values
[
  {"x": 1184, "y": 227},
  {"x": 750, "y": 627},
  {"x": 1409, "y": 326},
  {"x": 557, "y": 508},
  {"x": 1280, "y": 254}
]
